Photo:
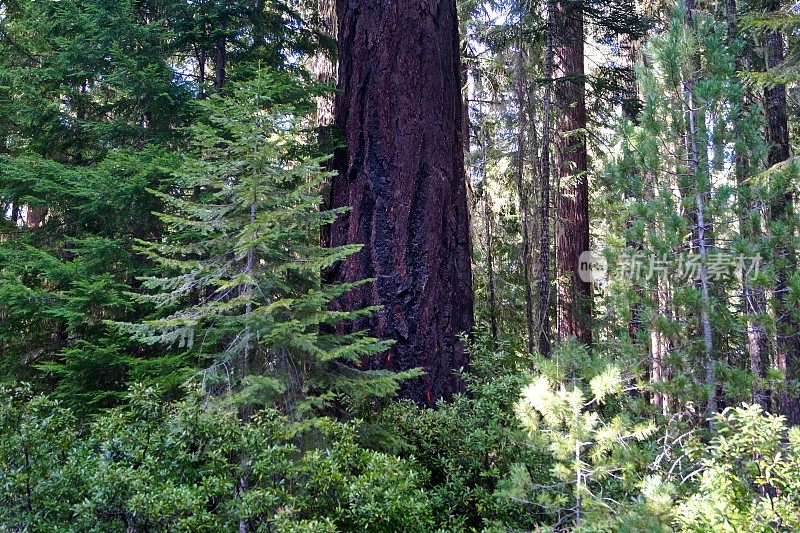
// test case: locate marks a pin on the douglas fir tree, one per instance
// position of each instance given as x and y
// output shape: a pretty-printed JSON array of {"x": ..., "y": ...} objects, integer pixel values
[{"x": 242, "y": 261}]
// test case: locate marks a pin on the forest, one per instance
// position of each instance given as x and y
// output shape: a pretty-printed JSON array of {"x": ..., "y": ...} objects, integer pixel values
[{"x": 301, "y": 266}]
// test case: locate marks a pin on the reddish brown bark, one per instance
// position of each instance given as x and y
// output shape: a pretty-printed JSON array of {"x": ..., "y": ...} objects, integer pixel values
[
  {"x": 36, "y": 216},
  {"x": 572, "y": 237},
  {"x": 402, "y": 174}
]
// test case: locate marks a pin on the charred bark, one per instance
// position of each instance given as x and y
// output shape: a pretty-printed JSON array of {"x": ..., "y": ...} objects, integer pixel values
[
  {"x": 402, "y": 175},
  {"x": 572, "y": 239}
]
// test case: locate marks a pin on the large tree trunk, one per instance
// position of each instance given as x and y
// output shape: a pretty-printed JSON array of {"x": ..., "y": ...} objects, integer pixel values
[
  {"x": 781, "y": 209},
  {"x": 572, "y": 238},
  {"x": 402, "y": 174}
]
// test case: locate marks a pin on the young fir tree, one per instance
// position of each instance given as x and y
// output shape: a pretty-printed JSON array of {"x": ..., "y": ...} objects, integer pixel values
[
  {"x": 93, "y": 96},
  {"x": 241, "y": 260}
]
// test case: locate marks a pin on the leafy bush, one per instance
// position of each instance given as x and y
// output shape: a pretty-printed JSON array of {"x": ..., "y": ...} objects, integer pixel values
[
  {"x": 749, "y": 477},
  {"x": 187, "y": 467},
  {"x": 469, "y": 445}
]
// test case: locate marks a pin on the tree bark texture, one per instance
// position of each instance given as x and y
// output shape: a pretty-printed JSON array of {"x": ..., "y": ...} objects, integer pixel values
[
  {"x": 781, "y": 209},
  {"x": 544, "y": 189},
  {"x": 402, "y": 175},
  {"x": 572, "y": 238}
]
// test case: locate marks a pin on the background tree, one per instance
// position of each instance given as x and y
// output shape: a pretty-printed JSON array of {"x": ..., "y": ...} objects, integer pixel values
[{"x": 572, "y": 212}]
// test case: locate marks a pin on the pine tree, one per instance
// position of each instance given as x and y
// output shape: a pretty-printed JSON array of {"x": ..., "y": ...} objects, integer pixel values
[
  {"x": 241, "y": 262},
  {"x": 694, "y": 337},
  {"x": 583, "y": 411}
]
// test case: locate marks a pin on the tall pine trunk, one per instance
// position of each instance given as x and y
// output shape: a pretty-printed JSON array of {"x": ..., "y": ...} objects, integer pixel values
[
  {"x": 402, "y": 174},
  {"x": 572, "y": 237},
  {"x": 781, "y": 210},
  {"x": 492, "y": 294}
]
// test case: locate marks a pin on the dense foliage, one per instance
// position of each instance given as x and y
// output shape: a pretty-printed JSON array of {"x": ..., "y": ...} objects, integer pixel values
[{"x": 184, "y": 467}]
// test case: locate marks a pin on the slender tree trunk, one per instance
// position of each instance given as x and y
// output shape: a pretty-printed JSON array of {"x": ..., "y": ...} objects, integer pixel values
[
  {"x": 700, "y": 230},
  {"x": 220, "y": 60},
  {"x": 523, "y": 202},
  {"x": 465, "y": 121},
  {"x": 201, "y": 73},
  {"x": 631, "y": 103},
  {"x": 658, "y": 343},
  {"x": 708, "y": 342},
  {"x": 247, "y": 291},
  {"x": 402, "y": 175},
  {"x": 544, "y": 189},
  {"x": 465, "y": 125},
  {"x": 572, "y": 239},
  {"x": 323, "y": 66},
  {"x": 781, "y": 209},
  {"x": 487, "y": 213},
  {"x": 630, "y": 111}
]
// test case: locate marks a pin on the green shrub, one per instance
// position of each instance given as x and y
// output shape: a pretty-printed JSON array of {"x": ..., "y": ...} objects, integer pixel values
[
  {"x": 749, "y": 478},
  {"x": 155, "y": 466}
]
